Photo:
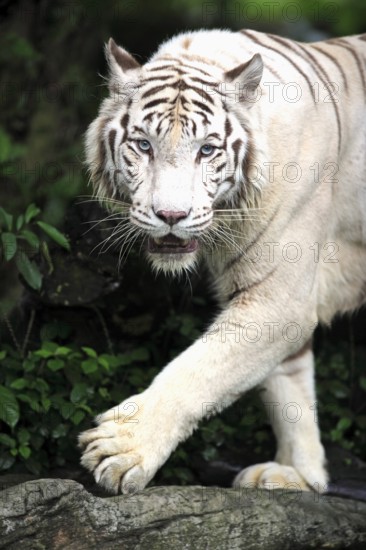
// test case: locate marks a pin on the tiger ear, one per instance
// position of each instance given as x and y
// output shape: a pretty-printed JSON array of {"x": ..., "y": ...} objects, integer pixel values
[
  {"x": 247, "y": 75},
  {"x": 122, "y": 65}
]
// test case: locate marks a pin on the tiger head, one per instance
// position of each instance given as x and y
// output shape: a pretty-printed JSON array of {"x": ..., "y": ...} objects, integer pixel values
[{"x": 173, "y": 140}]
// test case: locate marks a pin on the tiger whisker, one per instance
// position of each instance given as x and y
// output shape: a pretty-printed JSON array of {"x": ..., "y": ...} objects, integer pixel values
[
  {"x": 128, "y": 249},
  {"x": 98, "y": 222},
  {"x": 239, "y": 210},
  {"x": 104, "y": 242},
  {"x": 112, "y": 217},
  {"x": 238, "y": 234},
  {"x": 129, "y": 239},
  {"x": 104, "y": 200},
  {"x": 118, "y": 234},
  {"x": 114, "y": 243},
  {"x": 225, "y": 238},
  {"x": 237, "y": 219}
]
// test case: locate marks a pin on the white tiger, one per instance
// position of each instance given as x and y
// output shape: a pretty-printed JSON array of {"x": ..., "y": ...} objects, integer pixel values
[{"x": 247, "y": 150}]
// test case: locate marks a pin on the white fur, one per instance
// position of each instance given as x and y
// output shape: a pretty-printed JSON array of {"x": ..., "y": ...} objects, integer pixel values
[{"x": 283, "y": 217}]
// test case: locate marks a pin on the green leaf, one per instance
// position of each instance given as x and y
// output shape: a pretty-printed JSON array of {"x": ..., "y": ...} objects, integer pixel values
[
  {"x": 55, "y": 234},
  {"x": 103, "y": 392},
  {"x": 78, "y": 392},
  {"x": 2, "y": 355},
  {"x": 103, "y": 362},
  {"x": 8, "y": 441},
  {"x": 55, "y": 364},
  {"x": 35, "y": 406},
  {"x": 40, "y": 385},
  {"x": 19, "y": 223},
  {"x": 23, "y": 436},
  {"x": 86, "y": 408},
  {"x": 343, "y": 424},
  {"x": 9, "y": 407},
  {"x": 30, "y": 237},
  {"x": 31, "y": 212},
  {"x": 32, "y": 402},
  {"x": 46, "y": 403},
  {"x": 89, "y": 366},
  {"x": 48, "y": 349},
  {"x": 9, "y": 241},
  {"x": 363, "y": 382},
  {"x": 44, "y": 353},
  {"x": 59, "y": 431},
  {"x": 24, "y": 451},
  {"x": 19, "y": 384},
  {"x": 6, "y": 219},
  {"x": 29, "y": 270},
  {"x": 89, "y": 351},
  {"x": 67, "y": 410},
  {"x": 58, "y": 401},
  {"x": 77, "y": 417},
  {"x": 50, "y": 346},
  {"x": 63, "y": 350},
  {"x": 46, "y": 254},
  {"x": 29, "y": 364}
]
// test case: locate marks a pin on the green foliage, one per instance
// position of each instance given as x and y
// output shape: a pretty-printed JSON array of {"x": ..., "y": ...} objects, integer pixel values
[
  {"x": 9, "y": 151},
  {"x": 53, "y": 393},
  {"x": 341, "y": 390},
  {"x": 20, "y": 240}
]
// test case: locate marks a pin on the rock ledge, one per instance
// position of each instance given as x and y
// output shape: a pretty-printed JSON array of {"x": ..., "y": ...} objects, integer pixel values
[{"x": 61, "y": 513}]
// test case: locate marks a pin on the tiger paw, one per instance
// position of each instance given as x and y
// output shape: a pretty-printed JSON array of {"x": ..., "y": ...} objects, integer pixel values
[
  {"x": 126, "y": 448},
  {"x": 271, "y": 475}
]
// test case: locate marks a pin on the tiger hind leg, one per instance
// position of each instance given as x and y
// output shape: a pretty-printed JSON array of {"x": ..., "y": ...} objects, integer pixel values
[{"x": 289, "y": 397}]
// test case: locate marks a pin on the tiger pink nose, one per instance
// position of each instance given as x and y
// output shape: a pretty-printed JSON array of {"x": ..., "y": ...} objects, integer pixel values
[{"x": 170, "y": 216}]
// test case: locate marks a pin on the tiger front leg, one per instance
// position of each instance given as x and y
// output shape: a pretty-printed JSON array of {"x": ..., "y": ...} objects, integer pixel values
[{"x": 134, "y": 439}]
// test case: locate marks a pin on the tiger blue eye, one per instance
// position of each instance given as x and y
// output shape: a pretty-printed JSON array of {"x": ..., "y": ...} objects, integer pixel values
[
  {"x": 207, "y": 149},
  {"x": 144, "y": 145}
]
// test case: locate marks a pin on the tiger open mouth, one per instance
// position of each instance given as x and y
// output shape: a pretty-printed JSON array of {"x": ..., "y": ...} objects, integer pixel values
[{"x": 170, "y": 244}]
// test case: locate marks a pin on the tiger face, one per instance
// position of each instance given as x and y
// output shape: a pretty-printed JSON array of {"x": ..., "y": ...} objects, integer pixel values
[{"x": 171, "y": 141}]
